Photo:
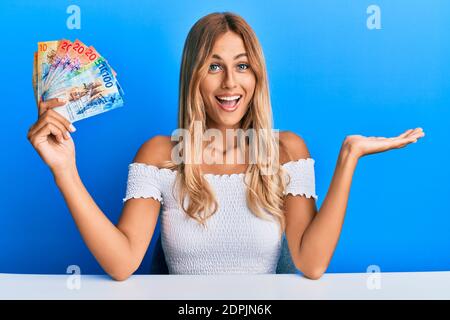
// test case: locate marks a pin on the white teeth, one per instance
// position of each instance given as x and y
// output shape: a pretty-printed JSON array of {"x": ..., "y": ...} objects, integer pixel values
[{"x": 229, "y": 98}]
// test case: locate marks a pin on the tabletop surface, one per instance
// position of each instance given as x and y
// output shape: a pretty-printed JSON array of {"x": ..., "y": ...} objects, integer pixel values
[{"x": 337, "y": 286}]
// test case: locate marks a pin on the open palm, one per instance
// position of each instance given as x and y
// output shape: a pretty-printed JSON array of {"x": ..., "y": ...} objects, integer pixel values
[{"x": 368, "y": 145}]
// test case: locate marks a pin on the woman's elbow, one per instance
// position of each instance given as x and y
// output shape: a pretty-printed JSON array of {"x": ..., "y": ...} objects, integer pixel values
[
  {"x": 314, "y": 275},
  {"x": 120, "y": 276}
]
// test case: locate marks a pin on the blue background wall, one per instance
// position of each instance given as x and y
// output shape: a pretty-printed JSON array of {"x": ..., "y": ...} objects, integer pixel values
[{"x": 330, "y": 76}]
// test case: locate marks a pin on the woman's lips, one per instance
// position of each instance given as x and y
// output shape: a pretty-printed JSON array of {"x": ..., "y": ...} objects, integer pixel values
[{"x": 229, "y": 106}]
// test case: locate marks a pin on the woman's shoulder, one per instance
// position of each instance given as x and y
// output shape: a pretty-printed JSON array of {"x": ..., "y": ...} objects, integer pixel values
[
  {"x": 155, "y": 151},
  {"x": 292, "y": 147}
]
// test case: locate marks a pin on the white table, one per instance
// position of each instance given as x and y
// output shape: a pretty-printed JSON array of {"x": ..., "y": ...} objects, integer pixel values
[{"x": 360, "y": 286}]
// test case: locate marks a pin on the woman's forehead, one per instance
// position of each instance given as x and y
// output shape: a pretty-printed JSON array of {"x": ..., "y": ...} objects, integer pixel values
[{"x": 228, "y": 45}]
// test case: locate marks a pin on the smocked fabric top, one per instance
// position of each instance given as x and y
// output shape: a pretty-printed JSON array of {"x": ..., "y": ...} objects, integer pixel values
[{"x": 234, "y": 240}]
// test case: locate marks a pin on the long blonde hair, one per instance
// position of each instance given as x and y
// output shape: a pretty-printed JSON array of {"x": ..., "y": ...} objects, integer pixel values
[{"x": 264, "y": 191}]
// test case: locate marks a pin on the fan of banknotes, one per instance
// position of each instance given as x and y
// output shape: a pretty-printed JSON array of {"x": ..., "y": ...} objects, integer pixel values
[{"x": 78, "y": 74}]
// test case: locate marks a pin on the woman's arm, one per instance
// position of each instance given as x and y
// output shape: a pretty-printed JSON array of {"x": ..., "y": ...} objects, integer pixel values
[
  {"x": 321, "y": 236},
  {"x": 119, "y": 250},
  {"x": 314, "y": 235},
  {"x": 106, "y": 242}
]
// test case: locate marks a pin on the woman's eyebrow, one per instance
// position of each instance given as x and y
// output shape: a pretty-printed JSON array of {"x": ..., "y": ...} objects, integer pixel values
[{"x": 236, "y": 57}]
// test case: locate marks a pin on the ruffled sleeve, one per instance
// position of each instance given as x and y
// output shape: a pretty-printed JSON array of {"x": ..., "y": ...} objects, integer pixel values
[
  {"x": 302, "y": 178},
  {"x": 143, "y": 182}
]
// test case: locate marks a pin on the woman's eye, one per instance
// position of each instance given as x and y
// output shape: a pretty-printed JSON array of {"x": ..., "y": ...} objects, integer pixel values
[
  {"x": 243, "y": 66},
  {"x": 212, "y": 67}
]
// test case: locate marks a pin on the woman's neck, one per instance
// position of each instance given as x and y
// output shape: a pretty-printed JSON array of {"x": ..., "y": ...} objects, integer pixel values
[{"x": 225, "y": 145}]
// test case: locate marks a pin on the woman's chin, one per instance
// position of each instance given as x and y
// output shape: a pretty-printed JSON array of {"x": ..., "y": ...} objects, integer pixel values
[
  {"x": 228, "y": 119},
  {"x": 232, "y": 123}
]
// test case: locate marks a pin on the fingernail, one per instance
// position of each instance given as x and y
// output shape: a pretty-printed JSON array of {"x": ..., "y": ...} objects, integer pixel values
[
  {"x": 72, "y": 128},
  {"x": 67, "y": 134}
]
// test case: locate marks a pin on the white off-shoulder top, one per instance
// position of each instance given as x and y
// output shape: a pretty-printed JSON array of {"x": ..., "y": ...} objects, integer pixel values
[{"x": 235, "y": 240}]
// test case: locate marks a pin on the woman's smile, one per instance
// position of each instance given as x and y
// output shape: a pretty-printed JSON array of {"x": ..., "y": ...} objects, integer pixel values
[{"x": 228, "y": 103}]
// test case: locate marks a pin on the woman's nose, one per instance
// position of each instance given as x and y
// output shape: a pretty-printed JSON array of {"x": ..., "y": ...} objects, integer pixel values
[{"x": 228, "y": 81}]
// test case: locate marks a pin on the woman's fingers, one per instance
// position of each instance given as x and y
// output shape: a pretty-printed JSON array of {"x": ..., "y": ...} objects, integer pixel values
[
  {"x": 43, "y": 122},
  {"x": 410, "y": 134},
  {"x": 49, "y": 104},
  {"x": 54, "y": 118},
  {"x": 69, "y": 126},
  {"x": 412, "y": 137},
  {"x": 46, "y": 130},
  {"x": 400, "y": 141},
  {"x": 54, "y": 123},
  {"x": 405, "y": 134},
  {"x": 418, "y": 133}
]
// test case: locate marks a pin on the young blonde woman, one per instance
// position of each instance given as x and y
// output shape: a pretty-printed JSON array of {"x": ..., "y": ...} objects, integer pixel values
[{"x": 217, "y": 217}]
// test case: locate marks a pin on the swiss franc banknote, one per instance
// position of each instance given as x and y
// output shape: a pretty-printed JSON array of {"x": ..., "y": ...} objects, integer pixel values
[{"x": 77, "y": 73}]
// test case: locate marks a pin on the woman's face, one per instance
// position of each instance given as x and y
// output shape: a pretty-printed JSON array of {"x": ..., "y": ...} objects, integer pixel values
[{"x": 229, "y": 83}]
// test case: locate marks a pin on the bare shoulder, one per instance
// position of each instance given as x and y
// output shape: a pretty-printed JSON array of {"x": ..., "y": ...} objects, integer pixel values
[
  {"x": 292, "y": 147},
  {"x": 155, "y": 151}
]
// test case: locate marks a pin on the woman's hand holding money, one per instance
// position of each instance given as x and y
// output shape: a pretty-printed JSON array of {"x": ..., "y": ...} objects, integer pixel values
[{"x": 49, "y": 135}]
